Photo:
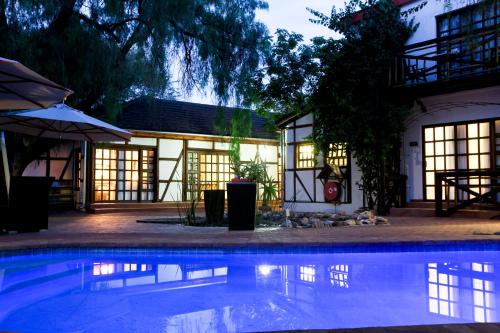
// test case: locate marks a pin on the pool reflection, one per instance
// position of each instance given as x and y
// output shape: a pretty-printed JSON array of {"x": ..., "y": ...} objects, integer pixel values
[{"x": 246, "y": 293}]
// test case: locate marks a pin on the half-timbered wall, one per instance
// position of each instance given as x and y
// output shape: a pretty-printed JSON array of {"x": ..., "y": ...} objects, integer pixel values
[
  {"x": 302, "y": 190},
  {"x": 59, "y": 162},
  {"x": 202, "y": 159}
]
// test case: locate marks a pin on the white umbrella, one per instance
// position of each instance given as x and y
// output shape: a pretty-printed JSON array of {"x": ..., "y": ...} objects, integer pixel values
[
  {"x": 21, "y": 88},
  {"x": 61, "y": 122}
]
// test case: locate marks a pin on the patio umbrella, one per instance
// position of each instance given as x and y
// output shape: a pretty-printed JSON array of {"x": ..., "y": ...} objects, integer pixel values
[
  {"x": 21, "y": 88},
  {"x": 61, "y": 122}
]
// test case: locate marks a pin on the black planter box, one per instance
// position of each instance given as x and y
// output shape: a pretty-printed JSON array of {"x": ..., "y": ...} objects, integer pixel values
[
  {"x": 241, "y": 205},
  {"x": 214, "y": 206},
  {"x": 29, "y": 203}
]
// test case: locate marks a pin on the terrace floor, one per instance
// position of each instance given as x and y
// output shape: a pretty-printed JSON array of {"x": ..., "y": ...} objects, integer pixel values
[{"x": 121, "y": 229}]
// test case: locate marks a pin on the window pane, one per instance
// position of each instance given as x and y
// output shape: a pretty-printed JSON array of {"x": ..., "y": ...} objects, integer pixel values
[
  {"x": 439, "y": 148},
  {"x": 472, "y": 130},
  {"x": 438, "y": 133},
  {"x": 472, "y": 147},
  {"x": 484, "y": 129},
  {"x": 429, "y": 149},
  {"x": 429, "y": 134},
  {"x": 461, "y": 132}
]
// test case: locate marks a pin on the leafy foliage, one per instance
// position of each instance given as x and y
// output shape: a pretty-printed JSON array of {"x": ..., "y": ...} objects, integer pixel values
[
  {"x": 353, "y": 102},
  {"x": 289, "y": 76},
  {"x": 110, "y": 51},
  {"x": 344, "y": 82}
]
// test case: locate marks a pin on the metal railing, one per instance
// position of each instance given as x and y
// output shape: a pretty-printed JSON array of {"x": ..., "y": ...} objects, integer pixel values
[
  {"x": 460, "y": 189},
  {"x": 472, "y": 54}
]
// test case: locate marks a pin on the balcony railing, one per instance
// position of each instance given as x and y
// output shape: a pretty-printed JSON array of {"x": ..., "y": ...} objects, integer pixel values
[
  {"x": 466, "y": 55},
  {"x": 460, "y": 189}
]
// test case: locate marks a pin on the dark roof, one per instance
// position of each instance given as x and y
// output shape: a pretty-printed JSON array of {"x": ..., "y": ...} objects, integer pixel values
[
  {"x": 287, "y": 118},
  {"x": 157, "y": 115}
]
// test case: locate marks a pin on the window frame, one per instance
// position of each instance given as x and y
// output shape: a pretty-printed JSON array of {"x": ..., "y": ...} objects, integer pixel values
[{"x": 298, "y": 160}]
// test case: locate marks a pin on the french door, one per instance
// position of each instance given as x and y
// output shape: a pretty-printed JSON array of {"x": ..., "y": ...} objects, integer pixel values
[
  {"x": 459, "y": 147},
  {"x": 124, "y": 174}
]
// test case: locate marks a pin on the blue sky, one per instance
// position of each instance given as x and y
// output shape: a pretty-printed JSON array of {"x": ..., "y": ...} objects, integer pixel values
[{"x": 291, "y": 15}]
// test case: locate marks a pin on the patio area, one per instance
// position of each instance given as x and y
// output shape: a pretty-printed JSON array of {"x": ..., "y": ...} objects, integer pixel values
[{"x": 76, "y": 229}]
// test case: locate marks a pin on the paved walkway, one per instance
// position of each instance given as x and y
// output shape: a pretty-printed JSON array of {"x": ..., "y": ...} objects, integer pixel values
[{"x": 121, "y": 229}]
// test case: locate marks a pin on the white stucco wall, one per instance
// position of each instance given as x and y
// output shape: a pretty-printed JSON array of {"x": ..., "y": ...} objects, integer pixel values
[{"x": 450, "y": 108}]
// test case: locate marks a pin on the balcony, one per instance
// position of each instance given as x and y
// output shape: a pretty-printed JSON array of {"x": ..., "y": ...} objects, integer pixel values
[{"x": 447, "y": 64}]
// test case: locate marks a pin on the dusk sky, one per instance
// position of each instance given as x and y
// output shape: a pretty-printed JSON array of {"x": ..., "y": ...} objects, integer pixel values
[{"x": 291, "y": 15}]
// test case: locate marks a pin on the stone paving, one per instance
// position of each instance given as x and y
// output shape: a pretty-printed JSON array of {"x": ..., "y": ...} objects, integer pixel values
[{"x": 121, "y": 229}]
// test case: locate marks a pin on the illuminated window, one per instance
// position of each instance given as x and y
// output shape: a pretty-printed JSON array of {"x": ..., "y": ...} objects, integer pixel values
[
  {"x": 105, "y": 174},
  {"x": 305, "y": 156},
  {"x": 307, "y": 273},
  {"x": 339, "y": 276},
  {"x": 337, "y": 155},
  {"x": 207, "y": 171},
  {"x": 148, "y": 175},
  {"x": 457, "y": 147}
]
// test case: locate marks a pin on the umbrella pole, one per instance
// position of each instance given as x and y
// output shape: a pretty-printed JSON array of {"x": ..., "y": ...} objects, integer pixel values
[
  {"x": 5, "y": 161},
  {"x": 83, "y": 187}
]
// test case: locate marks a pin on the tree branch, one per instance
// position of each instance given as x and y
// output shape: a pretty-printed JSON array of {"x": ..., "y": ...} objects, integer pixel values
[
  {"x": 63, "y": 18},
  {"x": 101, "y": 27}
]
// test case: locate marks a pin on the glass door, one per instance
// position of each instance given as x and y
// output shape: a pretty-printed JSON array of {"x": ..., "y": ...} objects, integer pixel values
[
  {"x": 455, "y": 147},
  {"x": 124, "y": 175}
]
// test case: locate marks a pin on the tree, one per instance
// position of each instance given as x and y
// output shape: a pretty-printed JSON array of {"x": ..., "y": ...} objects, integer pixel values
[
  {"x": 353, "y": 102},
  {"x": 288, "y": 77},
  {"x": 344, "y": 82},
  {"x": 111, "y": 51}
]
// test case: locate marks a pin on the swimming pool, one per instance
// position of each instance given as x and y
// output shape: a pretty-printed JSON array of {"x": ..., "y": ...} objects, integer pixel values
[{"x": 234, "y": 290}]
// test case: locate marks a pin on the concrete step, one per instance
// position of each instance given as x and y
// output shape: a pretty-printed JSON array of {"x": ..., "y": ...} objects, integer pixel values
[
  {"x": 430, "y": 212},
  {"x": 431, "y": 205}
]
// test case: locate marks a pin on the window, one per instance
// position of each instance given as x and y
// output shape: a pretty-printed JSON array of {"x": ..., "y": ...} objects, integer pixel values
[
  {"x": 338, "y": 158},
  {"x": 148, "y": 175},
  {"x": 207, "y": 171},
  {"x": 124, "y": 174},
  {"x": 105, "y": 174},
  {"x": 475, "y": 48},
  {"x": 455, "y": 147},
  {"x": 337, "y": 155},
  {"x": 305, "y": 156}
]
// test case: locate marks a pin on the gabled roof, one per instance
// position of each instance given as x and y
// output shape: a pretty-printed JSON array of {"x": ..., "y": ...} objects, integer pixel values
[{"x": 158, "y": 115}]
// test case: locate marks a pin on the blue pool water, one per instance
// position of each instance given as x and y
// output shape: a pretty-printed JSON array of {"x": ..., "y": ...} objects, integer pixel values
[{"x": 140, "y": 291}]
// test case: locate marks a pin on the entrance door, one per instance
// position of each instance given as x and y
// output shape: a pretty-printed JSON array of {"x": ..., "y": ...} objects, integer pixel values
[{"x": 463, "y": 146}]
